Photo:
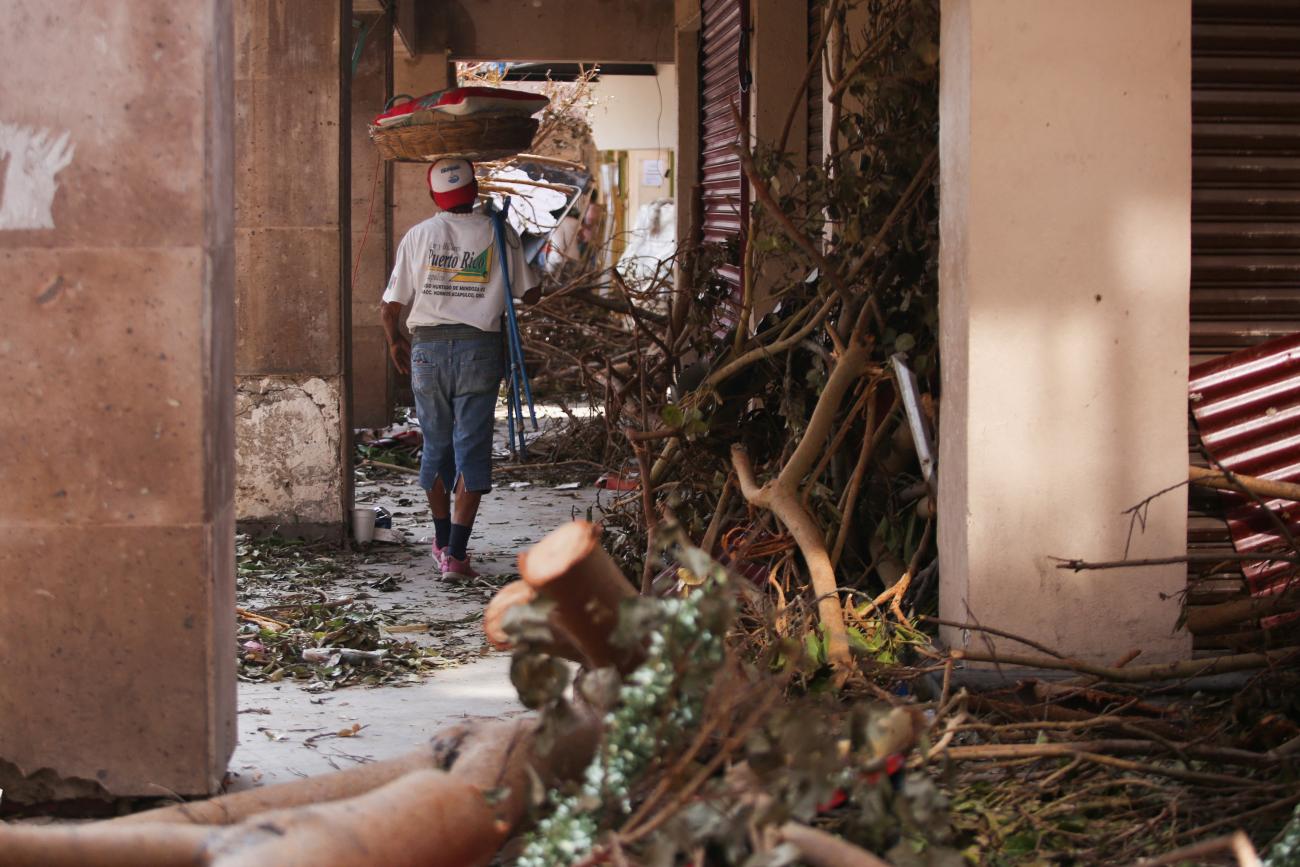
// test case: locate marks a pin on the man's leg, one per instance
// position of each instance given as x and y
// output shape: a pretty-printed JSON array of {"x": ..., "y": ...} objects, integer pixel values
[
  {"x": 462, "y": 519},
  {"x": 478, "y": 379},
  {"x": 430, "y": 384},
  {"x": 440, "y": 506}
]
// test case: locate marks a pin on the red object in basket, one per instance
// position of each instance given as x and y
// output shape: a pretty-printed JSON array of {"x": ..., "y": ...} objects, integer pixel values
[{"x": 465, "y": 101}]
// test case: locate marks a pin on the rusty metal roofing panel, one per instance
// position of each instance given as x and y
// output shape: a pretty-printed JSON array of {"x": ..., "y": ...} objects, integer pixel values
[{"x": 1247, "y": 407}]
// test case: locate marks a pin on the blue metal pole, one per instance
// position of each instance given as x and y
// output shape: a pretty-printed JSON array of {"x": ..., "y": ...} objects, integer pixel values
[
  {"x": 512, "y": 321},
  {"x": 514, "y": 408},
  {"x": 510, "y": 415}
]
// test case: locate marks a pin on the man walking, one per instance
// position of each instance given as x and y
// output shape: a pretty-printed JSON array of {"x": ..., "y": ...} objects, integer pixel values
[{"x": 449, "y": 271}]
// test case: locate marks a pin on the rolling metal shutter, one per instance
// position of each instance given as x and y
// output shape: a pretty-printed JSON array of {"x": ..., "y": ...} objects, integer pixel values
[
  {"x": 1246, "y": 173},
  {"x": 1245, "y": 214},
  {"x": 815, "y": 85},
  {"x": 724, "y": 194}
]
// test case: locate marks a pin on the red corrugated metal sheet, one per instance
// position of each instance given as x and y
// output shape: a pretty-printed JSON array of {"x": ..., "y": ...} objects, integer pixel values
[{"x": 1247, "y": 406}]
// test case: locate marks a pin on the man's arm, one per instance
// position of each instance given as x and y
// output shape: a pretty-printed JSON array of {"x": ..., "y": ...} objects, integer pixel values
[{"x": 399, "y": 348}]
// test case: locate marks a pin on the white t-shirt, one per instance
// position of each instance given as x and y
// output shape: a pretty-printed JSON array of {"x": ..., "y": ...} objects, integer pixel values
[{"x": 448, "y": 269}]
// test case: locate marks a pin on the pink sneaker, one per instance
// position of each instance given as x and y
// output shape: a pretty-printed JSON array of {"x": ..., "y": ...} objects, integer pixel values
[
  {"x": 456, "y": 570},
  {"x": 437, "y": 553}
]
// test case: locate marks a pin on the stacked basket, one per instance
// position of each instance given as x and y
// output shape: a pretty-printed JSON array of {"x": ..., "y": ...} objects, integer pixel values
[{"x": 422, "y": 134}]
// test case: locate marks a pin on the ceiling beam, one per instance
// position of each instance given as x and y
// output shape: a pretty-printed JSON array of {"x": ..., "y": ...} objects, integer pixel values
[{"x": 631, "y": 31}]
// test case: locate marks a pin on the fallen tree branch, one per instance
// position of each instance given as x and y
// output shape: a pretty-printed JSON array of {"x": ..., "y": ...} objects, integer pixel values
[
  {"x": 383, "y": 466},
  {"x": 826, "y": 850},
  {"x": 517, "y": 593},
  {"x": 238, "y": 806},
  {"x": 1076, "y": 565},
  {"x": 1001, "y": 633},
  {"x": 1114, "y": 746},
  {"x": 616, "y": 305},
  {"x": 406, "y": 813},
  {"x": 1208, "y": 618},
  {"x": 102, "y": 846},
  {"x": 770, "y": 206},
  {"x": 734, "y": 366},
  {"x": 1223, "y": 481},
  {"x": 571, "y": 568},
  {"x": 781, "y": 495},
  {"x": 1237, "y": 844},
  {"x": 1140, "y": 673}
]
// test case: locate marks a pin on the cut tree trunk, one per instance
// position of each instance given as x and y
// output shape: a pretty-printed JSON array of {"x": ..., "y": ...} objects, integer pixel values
[{"x": 570, "y": 568}]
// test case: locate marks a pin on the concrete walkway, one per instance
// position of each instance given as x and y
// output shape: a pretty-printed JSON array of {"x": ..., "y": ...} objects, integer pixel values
[{"x": 288, "y": 731}]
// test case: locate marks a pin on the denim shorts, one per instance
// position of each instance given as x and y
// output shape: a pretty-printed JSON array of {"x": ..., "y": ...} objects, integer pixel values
[{"x": 456, "y": 382}]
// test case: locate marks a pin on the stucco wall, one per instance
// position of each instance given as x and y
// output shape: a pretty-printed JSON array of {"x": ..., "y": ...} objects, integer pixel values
[
  {"x": 116, "y": 526},
  {"x": 1065, "y": 202},
  {"x": 288, "y": 439}
]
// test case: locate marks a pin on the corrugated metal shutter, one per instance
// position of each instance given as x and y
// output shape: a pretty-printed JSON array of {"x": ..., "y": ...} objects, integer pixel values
[
  {"x": 815, "y": 86},
  {"x": 1245, "y": 213},
  {"x": 724, "y": 195}
]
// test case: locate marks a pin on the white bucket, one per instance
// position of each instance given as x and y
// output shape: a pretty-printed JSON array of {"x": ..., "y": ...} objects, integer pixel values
[{"x": 363, "y": 523}]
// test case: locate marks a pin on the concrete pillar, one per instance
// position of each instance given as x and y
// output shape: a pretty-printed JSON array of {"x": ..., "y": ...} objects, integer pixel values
[
  {"x": 292, "y": 252},
  {"x": 778, "y": 54},
  {"x": 1065, "y": 202},
  {"x": 778, "y": 59},
  {"x": 371, "y": 385},
  {"x": 116, "y": 523},
  {"x": 687, "y": 157}
]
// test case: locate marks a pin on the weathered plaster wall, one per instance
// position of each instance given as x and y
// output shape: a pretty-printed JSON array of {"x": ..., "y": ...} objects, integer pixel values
[
  {"x": 287, "y": 442},
  {"x": 636, "y": 111},
  {"x": 1065, "y": 222},
  {"x": 291, "y": 260},
  {"x": 116, "y": 522}
]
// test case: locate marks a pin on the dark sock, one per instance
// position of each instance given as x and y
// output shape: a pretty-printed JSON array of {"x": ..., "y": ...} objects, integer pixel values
[
  {"x": 458, "y": 541},
  {"x": 441, "y": 530}
]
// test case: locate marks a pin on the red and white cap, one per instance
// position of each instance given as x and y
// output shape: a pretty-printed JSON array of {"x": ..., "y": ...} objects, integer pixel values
[{"x": 452, "y": 183}]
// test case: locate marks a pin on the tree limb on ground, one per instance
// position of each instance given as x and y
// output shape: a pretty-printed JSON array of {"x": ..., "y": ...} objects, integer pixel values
[
  {"x": 782, "y": 496},
  {"x": 1140, "y": 673}
]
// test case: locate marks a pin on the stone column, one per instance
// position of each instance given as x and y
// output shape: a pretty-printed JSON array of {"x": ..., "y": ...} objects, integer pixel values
[
  {"x": 1065, "y": 218},
  {"x": 292, "y": 420},
  {"x": 778, "y": 59},
  {"x": 372, "y": 404},
  {"x": 116, "y": 522},
  {"x": 686, "y": 35}
]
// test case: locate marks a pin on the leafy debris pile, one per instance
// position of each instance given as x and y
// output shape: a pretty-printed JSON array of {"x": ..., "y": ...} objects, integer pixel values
[
  {"x": 732, "y": 742},
  {"x": 718, "y": 752},
  {"x": 290, "y": 627}
]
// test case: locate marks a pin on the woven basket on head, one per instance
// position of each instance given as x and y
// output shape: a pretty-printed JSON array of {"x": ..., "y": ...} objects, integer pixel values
[{"x": 476, "y": 137}]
